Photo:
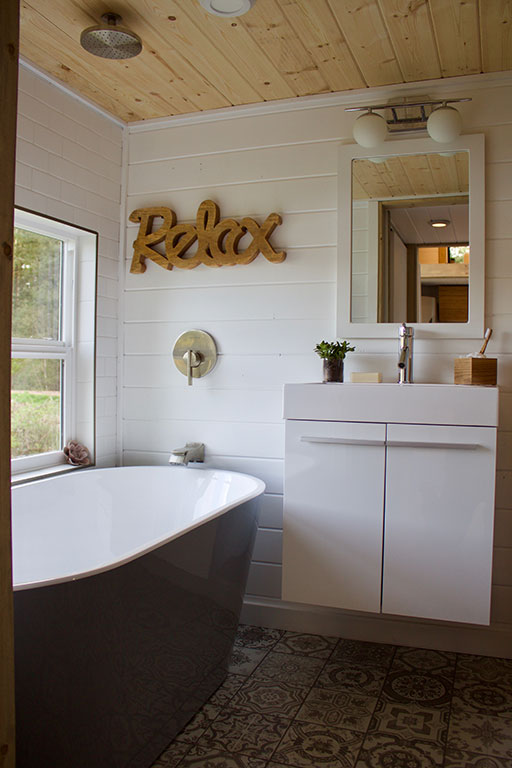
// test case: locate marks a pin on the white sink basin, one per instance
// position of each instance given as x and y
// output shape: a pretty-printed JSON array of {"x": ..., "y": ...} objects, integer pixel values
[{"x": 393, "y": 403}]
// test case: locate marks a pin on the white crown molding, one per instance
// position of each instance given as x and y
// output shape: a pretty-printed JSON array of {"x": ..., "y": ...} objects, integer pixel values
[
  {"x": 434, "y": 88},
  {"x": 70, "y": 91}
]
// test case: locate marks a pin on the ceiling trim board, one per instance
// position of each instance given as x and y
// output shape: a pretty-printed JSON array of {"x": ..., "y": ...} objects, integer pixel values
[{"x": 361, "y": 96}]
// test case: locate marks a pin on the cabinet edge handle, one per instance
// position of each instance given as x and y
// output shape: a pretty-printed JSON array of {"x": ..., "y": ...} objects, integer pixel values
[
  {"x": 428, "y": 444},
  {"x": 388, "y": 443},
  {"x": 340, "y": 440}
]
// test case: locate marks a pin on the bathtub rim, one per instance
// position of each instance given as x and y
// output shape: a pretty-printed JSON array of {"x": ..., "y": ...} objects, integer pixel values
[{"x": 153, "y": 545}]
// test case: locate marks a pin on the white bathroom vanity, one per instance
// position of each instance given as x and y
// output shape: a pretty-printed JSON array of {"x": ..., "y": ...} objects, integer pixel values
[{"x": 389, "y": 498}]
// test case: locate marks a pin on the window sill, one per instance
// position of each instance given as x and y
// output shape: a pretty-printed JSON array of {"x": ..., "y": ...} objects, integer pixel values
[{"x": 41, "y": 474}]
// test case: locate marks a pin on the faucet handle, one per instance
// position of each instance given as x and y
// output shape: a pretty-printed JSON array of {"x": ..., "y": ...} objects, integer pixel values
[{"x": 192, "y": 359}]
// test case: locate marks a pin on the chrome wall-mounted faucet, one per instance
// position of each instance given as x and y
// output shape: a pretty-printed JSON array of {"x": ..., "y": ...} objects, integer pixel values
[
  {"x": 190, "y": 452},
  {"x": 405, "y": 350}
]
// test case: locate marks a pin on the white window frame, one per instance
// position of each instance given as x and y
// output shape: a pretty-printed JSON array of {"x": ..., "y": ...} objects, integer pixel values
[{"x": 77, "y": 245}]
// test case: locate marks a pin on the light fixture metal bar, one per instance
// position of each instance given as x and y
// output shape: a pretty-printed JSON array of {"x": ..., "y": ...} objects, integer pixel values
[
  {"x": 408, "y": 129},
  {"x": 400, "y": 120},
  {"x": 405, "y": 105}
]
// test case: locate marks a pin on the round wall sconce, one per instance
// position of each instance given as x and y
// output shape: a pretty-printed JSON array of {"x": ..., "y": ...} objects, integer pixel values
[
  {"x": 370, "y": 129},
  {"x": 444, "y": 124},
  {"x": 227, "y": 8}
]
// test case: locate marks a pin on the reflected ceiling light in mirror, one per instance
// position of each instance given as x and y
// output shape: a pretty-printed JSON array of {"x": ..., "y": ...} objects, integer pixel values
[
  {"x": 370, "y": 129},
  {"x": 439, "y": 223},
  {"x": 442, "y": 122},
  {"x": 227, "y": 8}
]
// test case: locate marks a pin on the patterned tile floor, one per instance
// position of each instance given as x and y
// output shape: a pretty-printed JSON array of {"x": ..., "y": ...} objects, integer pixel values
[{"x": 293, "y": 700}]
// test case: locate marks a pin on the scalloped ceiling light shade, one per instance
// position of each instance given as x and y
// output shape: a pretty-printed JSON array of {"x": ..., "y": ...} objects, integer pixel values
[
  {"x": 370, "y": 129},
  {"x": 110, "y": 41},
  {"x": 227, "y": 8},
  {"x": 444, "y": 124}
]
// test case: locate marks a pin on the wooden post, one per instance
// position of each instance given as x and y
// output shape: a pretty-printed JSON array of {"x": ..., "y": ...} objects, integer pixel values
[{"x": 9, "y": 31}]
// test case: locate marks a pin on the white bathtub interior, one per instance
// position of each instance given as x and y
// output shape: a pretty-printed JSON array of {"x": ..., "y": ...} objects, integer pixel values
[{"x": 92, "y": 520}]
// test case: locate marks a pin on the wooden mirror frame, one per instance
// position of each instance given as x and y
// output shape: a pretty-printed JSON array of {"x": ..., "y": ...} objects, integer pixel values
[{"x": 474, "y": 328}]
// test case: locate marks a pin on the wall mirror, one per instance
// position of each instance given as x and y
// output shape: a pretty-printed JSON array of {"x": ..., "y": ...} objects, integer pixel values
[{"x": 411, "y": 238}]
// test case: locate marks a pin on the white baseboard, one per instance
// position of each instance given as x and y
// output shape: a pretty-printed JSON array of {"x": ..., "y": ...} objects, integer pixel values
[{"x": 494, "y": 640}]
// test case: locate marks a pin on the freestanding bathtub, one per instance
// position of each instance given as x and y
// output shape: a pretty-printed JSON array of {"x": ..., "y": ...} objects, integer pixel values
[{"x": 128, "y": 586}]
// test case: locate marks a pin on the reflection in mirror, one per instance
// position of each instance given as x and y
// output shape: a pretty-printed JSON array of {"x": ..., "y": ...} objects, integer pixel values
[{"x": 410, "y": 238}]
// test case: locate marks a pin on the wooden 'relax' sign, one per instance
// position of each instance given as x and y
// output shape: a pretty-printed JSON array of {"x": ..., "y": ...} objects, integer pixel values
[{"x": 217, "y": 241}]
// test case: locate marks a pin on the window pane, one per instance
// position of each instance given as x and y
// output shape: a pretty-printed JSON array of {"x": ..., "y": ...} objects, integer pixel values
[
  {"x": 36, "y": 406},
  {"x": 458, "y": 254},
  {"x": 36, "y": 294}
]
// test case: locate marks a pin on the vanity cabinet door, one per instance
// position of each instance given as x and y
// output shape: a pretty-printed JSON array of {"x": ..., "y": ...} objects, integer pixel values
[
  {"x": 439, "y": 522},
  {"x": 333, "y": 514}
]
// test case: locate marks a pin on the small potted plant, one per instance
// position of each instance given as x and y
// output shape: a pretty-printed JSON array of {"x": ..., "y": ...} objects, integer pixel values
[{"x": 333, "y": 354}]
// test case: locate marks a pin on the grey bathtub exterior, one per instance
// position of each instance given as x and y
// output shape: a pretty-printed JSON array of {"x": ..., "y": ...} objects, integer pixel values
[{"x": 109, "y": 668}]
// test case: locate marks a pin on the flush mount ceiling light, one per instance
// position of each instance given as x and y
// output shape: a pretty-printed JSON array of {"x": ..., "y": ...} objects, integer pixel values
[
  {"x": 227, "y": 8},
  {"x": 109, "y": 40},
  {"x": 439, "y": 223},
  {"x": 443, "y": 123}
]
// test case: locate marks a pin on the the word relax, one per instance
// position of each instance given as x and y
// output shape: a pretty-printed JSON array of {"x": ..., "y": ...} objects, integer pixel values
[{"x": 217, "y": 241}]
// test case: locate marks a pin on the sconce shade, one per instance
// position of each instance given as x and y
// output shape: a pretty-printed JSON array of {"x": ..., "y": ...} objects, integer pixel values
[
  {"x": 444, "y": 124},
  {"x": 370, "y": 129}
]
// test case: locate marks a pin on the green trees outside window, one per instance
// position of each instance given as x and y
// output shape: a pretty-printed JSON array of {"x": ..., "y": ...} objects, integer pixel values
[{"x": 37, "y": 315}]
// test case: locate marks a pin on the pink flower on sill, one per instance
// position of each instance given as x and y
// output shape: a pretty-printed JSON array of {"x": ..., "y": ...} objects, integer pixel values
[{"x": 77, "y": 454}]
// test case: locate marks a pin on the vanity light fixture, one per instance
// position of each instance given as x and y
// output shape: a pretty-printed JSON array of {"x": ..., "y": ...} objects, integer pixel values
[
  {"x": 442, "y": 122},
  {"x": 227, "y": 8},
  {"x": 439, "y": 223}
]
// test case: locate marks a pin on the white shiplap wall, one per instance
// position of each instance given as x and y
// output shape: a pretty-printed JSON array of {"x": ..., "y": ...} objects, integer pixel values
[
  {"x": 69, "y": 165},
  {"x": 266, "y": 318}
]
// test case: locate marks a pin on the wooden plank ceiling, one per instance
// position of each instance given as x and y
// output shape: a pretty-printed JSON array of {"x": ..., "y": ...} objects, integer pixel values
[{"x": 192, "y": 61}]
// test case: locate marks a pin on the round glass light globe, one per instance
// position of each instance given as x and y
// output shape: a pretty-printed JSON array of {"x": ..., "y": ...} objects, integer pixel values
[
  {"x": 370, "y": 129},
  {"x": 444, "y": 124}
]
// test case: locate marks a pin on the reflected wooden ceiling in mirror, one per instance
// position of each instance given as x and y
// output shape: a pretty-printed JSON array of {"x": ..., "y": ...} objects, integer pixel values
[
  {"x": 193, "y": 61},
  {"x": 408, "y": 175}
]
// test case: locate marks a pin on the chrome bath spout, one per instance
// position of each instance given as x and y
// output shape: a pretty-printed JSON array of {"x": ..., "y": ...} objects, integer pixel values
[
  {"x": 405, "y": 350},
  {"x": 190, "y": 452}
]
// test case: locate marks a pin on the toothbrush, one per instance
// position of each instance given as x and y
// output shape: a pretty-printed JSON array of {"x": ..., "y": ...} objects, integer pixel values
[{"x": 487, "y": 336}]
